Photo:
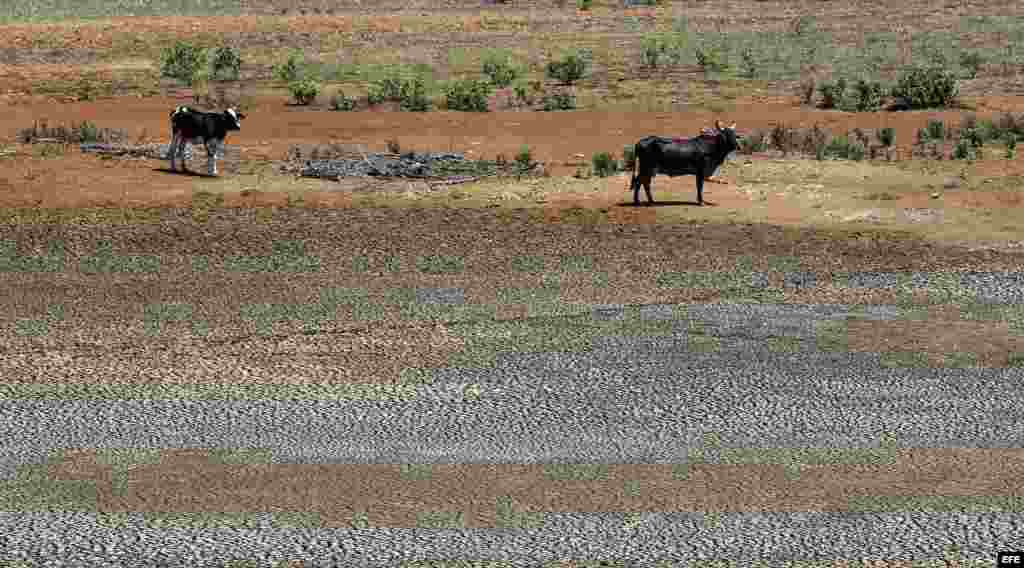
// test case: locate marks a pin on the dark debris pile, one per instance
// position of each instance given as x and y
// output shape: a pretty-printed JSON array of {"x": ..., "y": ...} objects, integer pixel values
[{"x": 437, "y": 167}]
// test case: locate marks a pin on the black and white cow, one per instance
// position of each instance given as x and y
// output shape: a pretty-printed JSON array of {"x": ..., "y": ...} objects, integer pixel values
[{"x": 190, "y": 126}]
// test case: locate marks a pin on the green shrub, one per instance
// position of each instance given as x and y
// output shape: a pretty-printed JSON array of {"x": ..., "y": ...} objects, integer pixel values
[
  {"x": 748, "y": 63},
  {"x": 499, "y": 68},
  {"x": 559, "y": 101},
  {"x": 926, "y": 87},
  {"x": 225, "y": 64},
  {"x": 604, "y": 164},
  {"x": 935, "y": 129},
  {"x": 988, "y": 129},
  {"x": 87, "y": 132},
  {"x": 291, "y": 69},
  {"x": 468, "y": 95},
  {"x": 868, "y": 95},
  {"x": 1009, "y": 123},
  {"x": 656, "y": 49},
  {"x": 182, "y": 61},
  {"x": 815, "y": 141},
  {"x": 629, "y": 157},
  {"x": 754, "y": 142},
  {"x": 522, "y": 94},
  {"x": 304, "y": 91},
  {"x": 1011, "y": 146},
  {"x": 856, "y": 151},
  {"x": 583, "y": 4},
  {"x": 807, "y": 91},
  {"x": 571, "y": 68},
  {"x": 374, "y": 95},
  {"x": 838, "y": 147},
  {"x": 963, "y": 150},
  {"x": 524, "y": 159},
  {"x": 710, "y": 58},
  {"x": 971, "y": 61},
  {"x": 414, "y": 95},
  {"x": 391, "y": 87},
  {"x": 886, "y": 136},
  {"x": 340, "y": 102},
  {"x": 832, "y": 94}
]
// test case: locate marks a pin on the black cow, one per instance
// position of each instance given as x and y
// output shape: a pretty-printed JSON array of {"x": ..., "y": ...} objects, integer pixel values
[
  {"x": 699, "y": 156},
  {"x": 189, "y": 126}
]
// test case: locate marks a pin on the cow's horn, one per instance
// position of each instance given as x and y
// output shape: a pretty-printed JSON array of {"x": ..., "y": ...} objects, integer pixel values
[{"x": 733, "y": 127}]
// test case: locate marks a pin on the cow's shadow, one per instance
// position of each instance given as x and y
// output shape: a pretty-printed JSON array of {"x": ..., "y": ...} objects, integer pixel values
[
  {"x": 190, "y": 173},
  {"x": 665, "y": 204}
]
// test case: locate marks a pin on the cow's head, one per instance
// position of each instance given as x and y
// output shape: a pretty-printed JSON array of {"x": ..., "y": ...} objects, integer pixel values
[
  {"x": 728, "y": 134},
  {"x": 234, "y": 119}
]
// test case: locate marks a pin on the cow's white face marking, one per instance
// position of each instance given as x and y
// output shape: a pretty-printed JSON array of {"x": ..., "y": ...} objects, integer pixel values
[{"x": 234, "y": 116}]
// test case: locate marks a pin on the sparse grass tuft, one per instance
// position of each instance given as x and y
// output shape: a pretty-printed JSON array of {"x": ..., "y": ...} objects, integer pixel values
[{"x": 76, "y": 134}]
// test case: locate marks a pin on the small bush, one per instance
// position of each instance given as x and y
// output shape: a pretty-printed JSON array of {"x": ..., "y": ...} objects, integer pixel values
[
  {"x": 784, "y": 139},
  {"x": 935, "y": 129},
  {"x": 922, "y": 136},
  {"x": 988, "y": 129},
  {"x": 604, "y": 164},
  {"x": 583, "y": 5},
  {"x": 856, "y": 151},
  {"x": 971, "y": 61},
  {"x": 571, "y": 68},
  {"x": 656, "y": 49},
  {"x": 391, "y": 87},
  {"x": 1008, "y": 123},
  {"x": 838, "y": 147},
  {"x": 559, "y": 101},
  {"x": 886, "y": 136},
  {"x": 815, "y": 141},
  {"x": 1011, "y": 146},
  {"x": 87, "y": 132},
  {"x": 499, "y": 68},
  {"x": 755, "y": 142},
  {"x": 468, "y": 95},
  {"x": 629, "y": 157},
  {"x": 182, "y": 61},
  {"x": 305, "y": 91},
  {"x": 522, "y": 94},
  {"x": 832, "y": 94},
  {"x": 807, "y": 91},
  {"x": 414, "y": 95},
  {"x": 374, "y": 95},
  {"x": 225, "y": 64},
  {"x": 291, "y": 69},
  {"x": 524, "y": 159},
  {"x": 748, "y": 63},
  {"x": 973, "y": 136},
  {"x": 963, "y": 150},
  {"x": 340, "y": 102},
  {"x": 926, "y": 87},
  {"x": 710, "y": 59},
  {"x": 868, "y": 95}
]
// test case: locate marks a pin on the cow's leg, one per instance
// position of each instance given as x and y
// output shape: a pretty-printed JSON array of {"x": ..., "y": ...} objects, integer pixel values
[
  {"x": 172, "y": 149},
  {"x": 211, "y": 157},
  {"x": 635, "y": 186},
  {"x": 182, "y": 149},
  {"x": 700, "y": 187},
  {"x": 647, "y": 188}
]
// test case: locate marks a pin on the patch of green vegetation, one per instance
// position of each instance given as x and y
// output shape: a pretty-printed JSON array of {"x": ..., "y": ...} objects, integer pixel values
[
  {"x": 440, "y": 520},
  {"x": 576, "y": 472},
  {"x": 55, "y": 10}
]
